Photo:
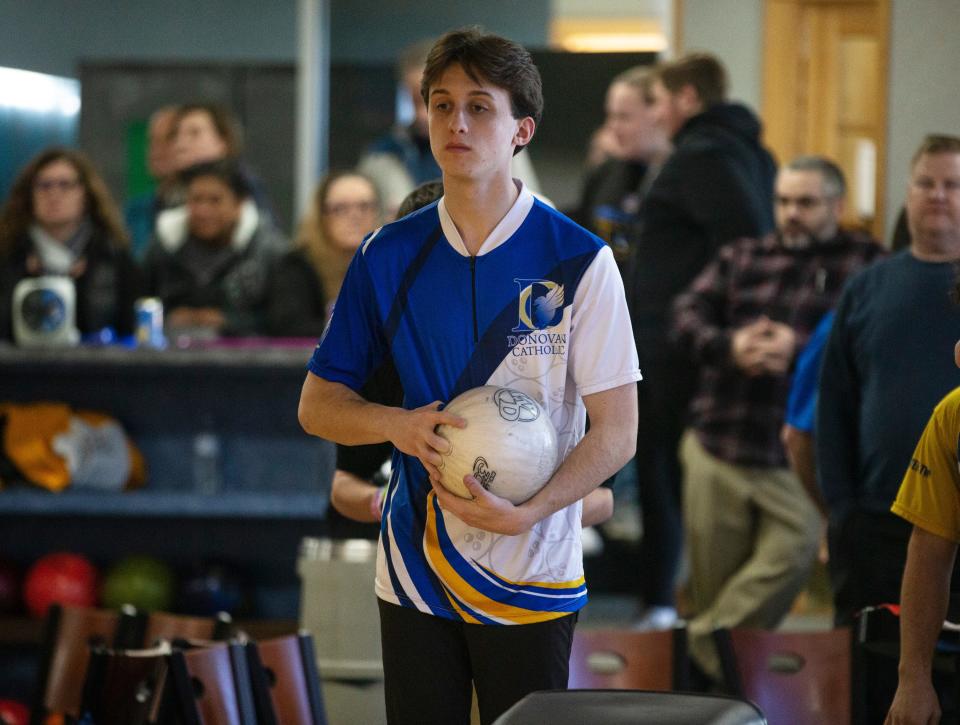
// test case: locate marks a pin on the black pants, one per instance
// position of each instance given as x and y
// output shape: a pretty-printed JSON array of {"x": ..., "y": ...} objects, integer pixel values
[
  {"x": 430, "y": 662},
  {"x": 661, "y": 425}
]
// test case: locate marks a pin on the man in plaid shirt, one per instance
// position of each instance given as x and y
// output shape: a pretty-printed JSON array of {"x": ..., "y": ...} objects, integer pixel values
[{"x": 752, "y": 530}]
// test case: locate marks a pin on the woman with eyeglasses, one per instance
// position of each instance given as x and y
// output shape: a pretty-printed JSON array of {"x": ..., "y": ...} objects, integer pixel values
[
  {"x": 307, "y": 280},
  {"x": 60, "y": 220}
]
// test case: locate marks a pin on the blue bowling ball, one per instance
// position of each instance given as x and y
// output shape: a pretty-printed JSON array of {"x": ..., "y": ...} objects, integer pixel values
[{"x": 211, "y": 588}]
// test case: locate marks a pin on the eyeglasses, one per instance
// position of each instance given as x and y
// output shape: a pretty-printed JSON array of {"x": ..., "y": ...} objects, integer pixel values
[
  {"x": 48, "y": 185},
  {"x": 804, "y": 202},
  {"x": 345, "y": 207}
]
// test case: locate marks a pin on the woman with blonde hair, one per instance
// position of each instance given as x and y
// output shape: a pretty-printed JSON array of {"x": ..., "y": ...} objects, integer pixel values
[
  {"x": 61, "y": 220},
  {"x": 307, "y": 280}
]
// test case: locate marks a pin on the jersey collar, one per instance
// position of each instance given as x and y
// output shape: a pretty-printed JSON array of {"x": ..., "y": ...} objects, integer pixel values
[{"x": 501, "y": 233}]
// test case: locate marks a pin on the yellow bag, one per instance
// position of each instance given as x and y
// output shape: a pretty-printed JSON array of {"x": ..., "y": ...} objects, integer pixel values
[{"x": 53, "y": 446}]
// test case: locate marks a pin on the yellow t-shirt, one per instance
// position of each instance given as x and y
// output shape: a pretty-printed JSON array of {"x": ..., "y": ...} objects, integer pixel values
[{"x": 929, "y": 496}]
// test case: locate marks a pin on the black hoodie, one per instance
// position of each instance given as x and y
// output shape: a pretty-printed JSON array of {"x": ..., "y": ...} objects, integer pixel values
[{"x": 716, "y": 186}]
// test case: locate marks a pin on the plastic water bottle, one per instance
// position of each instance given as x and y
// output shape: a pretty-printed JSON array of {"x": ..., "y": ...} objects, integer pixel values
[{"x": 207, "y": 474}]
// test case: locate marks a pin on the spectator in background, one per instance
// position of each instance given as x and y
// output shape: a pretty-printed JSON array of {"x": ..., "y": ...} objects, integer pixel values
[
  {"x": 211, "y": 258},
  {"x": 880, "y": 379},
  {"x": 307, "y": 279},
  {"x": 401, "y": 160},
  {"x": 60, "y": 220},
  {"x": 613, "y": 191},
  {"x": 752, "y": 529},
  {"x": 141, "y": 212},
  {"x": 205, "y": 132},
  {"x": 716, "y": 186}
]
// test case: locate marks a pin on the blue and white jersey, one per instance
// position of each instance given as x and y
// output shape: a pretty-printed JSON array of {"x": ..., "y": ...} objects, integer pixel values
[{"x": 540, "y": 309}]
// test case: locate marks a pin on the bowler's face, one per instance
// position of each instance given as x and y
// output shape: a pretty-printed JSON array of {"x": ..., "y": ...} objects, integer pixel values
[{"x": 472, "y": 128}]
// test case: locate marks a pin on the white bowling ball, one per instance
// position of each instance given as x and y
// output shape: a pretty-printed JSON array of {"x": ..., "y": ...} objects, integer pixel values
[{"x": 509, "y": 443}]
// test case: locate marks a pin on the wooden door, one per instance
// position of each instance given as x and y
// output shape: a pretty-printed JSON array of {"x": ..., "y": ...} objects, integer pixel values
[{"x": 825, "y": 92}]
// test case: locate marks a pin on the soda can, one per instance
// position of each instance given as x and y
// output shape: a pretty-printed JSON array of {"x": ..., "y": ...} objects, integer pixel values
[{"x": 149, "y": 317}]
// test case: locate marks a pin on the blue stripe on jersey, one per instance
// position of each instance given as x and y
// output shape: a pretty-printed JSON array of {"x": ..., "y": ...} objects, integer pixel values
[
  {"x": 408, "y": 530},
  {"x": 489, "y": 353},
  {"x": 560, "y": 600},
  {"x": 409, "y": 277},
  {"x": 482, "y": 618},
  {"x": 533, "y": 588}
]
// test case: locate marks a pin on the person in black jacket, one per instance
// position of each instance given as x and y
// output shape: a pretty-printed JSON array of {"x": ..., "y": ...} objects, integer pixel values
[
  {"x": 715, "y": 187},
  {"x": 61, "y": 220}
]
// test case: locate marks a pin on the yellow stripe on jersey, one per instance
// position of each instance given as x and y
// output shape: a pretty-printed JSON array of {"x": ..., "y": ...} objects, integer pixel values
[
  {"x": 574, "y": 584},
  {"x": 458, "y": 588}
]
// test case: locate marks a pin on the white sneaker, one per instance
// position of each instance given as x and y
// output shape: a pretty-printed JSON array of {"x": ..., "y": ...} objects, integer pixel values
[{"x": 655, "y": 619}]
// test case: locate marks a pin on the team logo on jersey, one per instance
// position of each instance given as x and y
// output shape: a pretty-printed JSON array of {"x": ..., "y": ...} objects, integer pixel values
[{"x": 541, "y": 304}]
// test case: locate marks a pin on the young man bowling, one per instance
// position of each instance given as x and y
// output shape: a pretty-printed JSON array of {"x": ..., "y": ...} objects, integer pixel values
[{"x": 488, "y": 286}]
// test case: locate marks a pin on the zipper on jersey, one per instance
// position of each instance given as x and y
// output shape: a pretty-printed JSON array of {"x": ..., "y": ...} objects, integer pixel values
[{"x": 473, "y": 287}]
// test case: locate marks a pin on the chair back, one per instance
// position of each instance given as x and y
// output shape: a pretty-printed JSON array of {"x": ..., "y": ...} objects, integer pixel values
[
  {"x": 629, "y": 707},
  {"x": 627, "y": 659},
  {"x": 285, "y": 681},
  {"x": 797, "y": 678},
  {"x": 167, "y": 626},
  {"x": 124, "y": 687},
  {"x": 69, "y": 633},
  {"x": 211, "y": 685}
]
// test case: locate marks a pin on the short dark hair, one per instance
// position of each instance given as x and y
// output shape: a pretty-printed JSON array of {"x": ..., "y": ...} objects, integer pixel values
[
  {"x": 936, "y": 143},
  {"x": 702, "y": 71},
  {"x": 833, "y": 180},
  {"x": 427, "y": 193},
  {"x": 498, "y": 60},
  {"x": 226, "y": 170}
]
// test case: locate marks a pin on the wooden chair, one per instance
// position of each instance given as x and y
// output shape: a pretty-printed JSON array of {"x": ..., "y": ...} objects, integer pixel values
[
  {"x": 626, "y": 659},
  {"x": 630, "y": 707},
  {"x": 124, "y": 687},
  {"x": 166, "y": 626},
  {"x": 797, "y": 678},
  {"x": 68, "y": 634},
  {"x": 285, "y": 681},
  {"x": 211, "y": 686}
]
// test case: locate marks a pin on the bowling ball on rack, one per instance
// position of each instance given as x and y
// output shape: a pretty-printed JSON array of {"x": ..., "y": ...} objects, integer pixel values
[
  {"x": 13, "y": 712},
  {"x": 209, "y": 589},
  {"x": 10, "y": 585},
  {"x": 143, "y": 581},
  {"x": 61, "y": 578}
]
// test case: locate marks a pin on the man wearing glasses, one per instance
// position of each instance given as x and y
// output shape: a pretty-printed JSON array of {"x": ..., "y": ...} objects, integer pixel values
[{"x": 752, "y": 528}]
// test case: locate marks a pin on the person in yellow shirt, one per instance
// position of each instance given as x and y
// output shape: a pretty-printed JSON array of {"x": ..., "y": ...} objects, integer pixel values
[{"x": 929, "y": 498}]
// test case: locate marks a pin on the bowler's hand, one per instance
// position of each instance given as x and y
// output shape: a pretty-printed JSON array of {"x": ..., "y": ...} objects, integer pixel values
[
  {"x": 485, "y": 510},
  {"x": 915, "y": 703},
  {"x": 414, "y": 433}
]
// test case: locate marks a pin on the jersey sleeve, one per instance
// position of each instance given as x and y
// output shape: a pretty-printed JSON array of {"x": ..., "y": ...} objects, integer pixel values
[
  {"x": 929, "y": 496},
  {"x": 602, "y": 351},
  {"x": 353, "y": 344}
]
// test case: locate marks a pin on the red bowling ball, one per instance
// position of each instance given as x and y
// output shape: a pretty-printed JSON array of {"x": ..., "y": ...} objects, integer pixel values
[
  {"x": 14, "y": 713},
  {"x": 60, "y": 578}
]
